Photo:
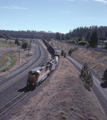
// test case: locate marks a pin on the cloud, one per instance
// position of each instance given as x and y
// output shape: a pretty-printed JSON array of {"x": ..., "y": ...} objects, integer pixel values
[
  {"x": 14, "y": 7},
  {"x": 103, "y": 1}
]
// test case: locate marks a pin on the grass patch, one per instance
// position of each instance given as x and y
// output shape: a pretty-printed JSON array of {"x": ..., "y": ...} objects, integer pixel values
[
  {"x": 5, "y": 61},
  {"x": 2, "y": 44}
]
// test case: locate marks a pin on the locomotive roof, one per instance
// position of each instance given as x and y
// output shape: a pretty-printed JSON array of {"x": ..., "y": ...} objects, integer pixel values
[
  {"x": 37, "y": 69},
  {"x": 59, "y": 51}
]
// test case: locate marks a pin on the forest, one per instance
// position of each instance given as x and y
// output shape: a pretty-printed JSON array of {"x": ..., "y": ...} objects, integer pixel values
[{"x": 78, "y": 34}]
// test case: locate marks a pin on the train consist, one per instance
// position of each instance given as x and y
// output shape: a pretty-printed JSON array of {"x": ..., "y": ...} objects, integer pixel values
[
  {"x": 54, "y": 51},
  {"x": 39, "y": 74}
]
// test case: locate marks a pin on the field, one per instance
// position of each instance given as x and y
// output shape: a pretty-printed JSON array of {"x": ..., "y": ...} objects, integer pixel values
[
  {"x": 14, "y": 50},
  {"x": 2, "y": 44}
]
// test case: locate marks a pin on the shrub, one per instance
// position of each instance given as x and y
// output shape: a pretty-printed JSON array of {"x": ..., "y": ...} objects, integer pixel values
[
  {"x": 72, "y": 50},
  {"x": 85, "y": 43}
]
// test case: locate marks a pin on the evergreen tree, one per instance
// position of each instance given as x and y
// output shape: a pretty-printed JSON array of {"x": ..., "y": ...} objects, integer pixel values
[
  {"x": 105, "y": 76},
  {"x": 16, "y": 41},
  {"x": 86, "y": 76},
  {"x": 70, "y": 52},
  {"x": 88, "y": 36},
  {"x": 24, "y": 44},
  {"x": 94, "y": 40},
  {"x": 65, "y": 55},
  {"x": 84, "y": 71},
  {"x": 89, "y": 80},
  {"x": 62, "y": 53}
]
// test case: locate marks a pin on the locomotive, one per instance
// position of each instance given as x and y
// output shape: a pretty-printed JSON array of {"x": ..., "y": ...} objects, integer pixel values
[{"x": 39, "y": 74}]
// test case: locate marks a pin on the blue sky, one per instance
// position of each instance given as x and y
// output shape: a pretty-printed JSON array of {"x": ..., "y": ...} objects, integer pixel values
[{"x": 52, "y": 15}]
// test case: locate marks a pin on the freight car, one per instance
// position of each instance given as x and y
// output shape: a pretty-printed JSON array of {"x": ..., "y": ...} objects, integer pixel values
[{"x": 39, "y": 74}]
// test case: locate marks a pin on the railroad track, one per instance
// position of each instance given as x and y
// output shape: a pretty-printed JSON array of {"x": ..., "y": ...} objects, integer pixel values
[
  {"x": 35, "y": 57},
  {"x": 15, "y": 79},
  {"x": 13, "y": 102},
  {"x": 6, "y": 107}
]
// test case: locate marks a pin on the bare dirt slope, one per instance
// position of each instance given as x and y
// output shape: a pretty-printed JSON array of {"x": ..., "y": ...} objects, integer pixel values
[{"x": 64, "y": 98}]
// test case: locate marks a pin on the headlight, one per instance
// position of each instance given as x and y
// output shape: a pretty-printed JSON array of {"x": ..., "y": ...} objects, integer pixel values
[
  {"x": 33, "y": 83},
  {"x": 28, "y": 83}
]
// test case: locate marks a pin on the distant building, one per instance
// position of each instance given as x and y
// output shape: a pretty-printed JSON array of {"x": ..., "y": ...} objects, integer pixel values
[{"x": 30, "y": 53}]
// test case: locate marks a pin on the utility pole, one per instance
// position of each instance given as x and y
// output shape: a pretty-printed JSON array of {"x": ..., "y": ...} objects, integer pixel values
[
  {"x": 92, "y": 53},
  {"x": 19, "y": 54},
  {"x": 10, "y": 49}
]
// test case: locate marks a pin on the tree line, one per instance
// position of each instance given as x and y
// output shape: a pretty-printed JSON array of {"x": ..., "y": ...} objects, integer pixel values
[{"x": 79, "y": 32}]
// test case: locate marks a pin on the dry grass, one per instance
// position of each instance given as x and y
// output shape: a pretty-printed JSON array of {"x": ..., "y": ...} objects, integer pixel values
[
  {"x": 15, "y": 51},
  {"x": 64, "y": 98},
  {"x": 98, "y": 63}
]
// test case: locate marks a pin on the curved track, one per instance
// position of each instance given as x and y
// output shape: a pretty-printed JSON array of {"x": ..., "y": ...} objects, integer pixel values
[
  {"x": 34, "y": 58},
  {"x": 13, "y": 102},
  {"x": 8, "y": 92},
  {"x": 23, "y": 71}
]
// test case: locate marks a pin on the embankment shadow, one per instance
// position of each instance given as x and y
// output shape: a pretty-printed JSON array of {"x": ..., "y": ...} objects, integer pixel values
[{"x": 103, "y": 85}]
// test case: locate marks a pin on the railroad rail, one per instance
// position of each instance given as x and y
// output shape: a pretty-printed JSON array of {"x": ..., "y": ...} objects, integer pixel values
[{"x": 13, "y": 102}]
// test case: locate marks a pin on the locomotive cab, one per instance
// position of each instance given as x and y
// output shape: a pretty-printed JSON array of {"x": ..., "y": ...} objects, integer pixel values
[{"x": 32, "y": 78}]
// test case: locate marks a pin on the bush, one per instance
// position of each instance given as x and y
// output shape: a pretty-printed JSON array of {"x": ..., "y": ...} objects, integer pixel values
[
  {"x": 85, "y": 43},
  {"x": 24, "y": 45},
  {"x": 72, "y": 41},
  {"x": 72, "y": 50}
]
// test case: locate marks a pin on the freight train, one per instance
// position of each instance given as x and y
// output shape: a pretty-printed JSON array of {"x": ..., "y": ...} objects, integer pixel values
[{"x": 39, "y": 74}]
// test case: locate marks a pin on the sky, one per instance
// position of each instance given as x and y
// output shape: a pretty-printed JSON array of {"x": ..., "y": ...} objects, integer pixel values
[{"x": 52, "y": 15}]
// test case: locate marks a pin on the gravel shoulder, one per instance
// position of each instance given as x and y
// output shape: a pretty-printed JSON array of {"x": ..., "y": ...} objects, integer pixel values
[{"x": 64, "y": 98}]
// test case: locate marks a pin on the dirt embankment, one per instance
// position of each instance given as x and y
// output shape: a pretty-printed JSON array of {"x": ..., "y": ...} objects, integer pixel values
[
  {"x": 64, "y": 98},
  {"x": 97, "y": 61}
]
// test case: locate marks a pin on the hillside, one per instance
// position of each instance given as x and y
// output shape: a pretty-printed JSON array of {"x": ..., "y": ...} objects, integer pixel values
[
  {"x": 63, "y": 98},
  {"x": 97, "y": 61}
]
